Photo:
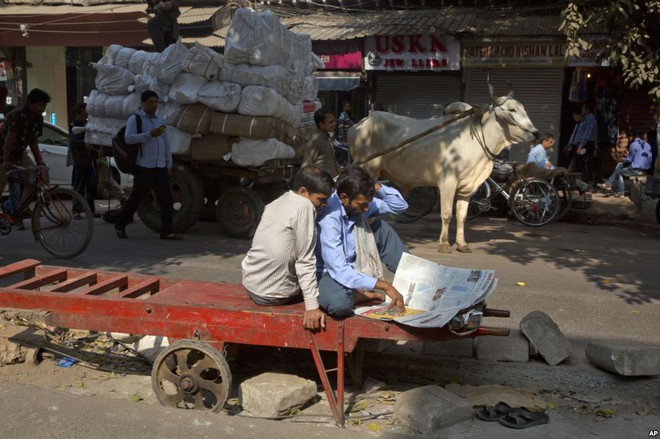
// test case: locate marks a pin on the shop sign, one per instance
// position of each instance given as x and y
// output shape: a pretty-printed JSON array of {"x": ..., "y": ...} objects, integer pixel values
[
  {"x": 502, "y": 54},
  {"x": 412, "y": 52},
  {"x": 344, "y": 61}
]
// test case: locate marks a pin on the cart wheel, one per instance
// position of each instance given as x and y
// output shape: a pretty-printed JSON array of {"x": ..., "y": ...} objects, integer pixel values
[
  {"x": 191, "y": 375},
  {"x": 239, "y": 211}
]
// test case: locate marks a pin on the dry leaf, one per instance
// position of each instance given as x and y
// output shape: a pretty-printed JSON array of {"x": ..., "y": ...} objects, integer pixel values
[
  {"x": 606, "y": 413},
  {"x": 80, "y": 384},
  {"x": 136, "y": 398},
  {"x": 456, "y": 380},
  {"x": 643, "y": 412},
  {"x": 357, "y": 407},
  {"x": 520, "y": 284},
  {"x": 373, "y": 427}
]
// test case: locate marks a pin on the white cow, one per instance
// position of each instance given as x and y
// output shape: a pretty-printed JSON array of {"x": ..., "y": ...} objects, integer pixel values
[{"x": 457, "y": 158}]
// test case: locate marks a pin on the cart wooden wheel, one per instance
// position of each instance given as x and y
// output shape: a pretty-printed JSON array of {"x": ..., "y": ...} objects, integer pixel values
[{"x": 192, "y": 375}]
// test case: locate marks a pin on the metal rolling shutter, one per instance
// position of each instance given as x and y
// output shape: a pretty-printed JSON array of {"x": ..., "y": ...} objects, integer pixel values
[
  {"x": 418, "y": 96},
  {"x": 539, "y": 90}
]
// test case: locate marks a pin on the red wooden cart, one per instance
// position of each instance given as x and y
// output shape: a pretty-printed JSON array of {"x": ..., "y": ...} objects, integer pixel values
[{"x": 202, "y": 316}]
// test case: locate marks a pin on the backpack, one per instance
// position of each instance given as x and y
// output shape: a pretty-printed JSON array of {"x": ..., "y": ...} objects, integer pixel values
[{"x": 124, "y": 153}]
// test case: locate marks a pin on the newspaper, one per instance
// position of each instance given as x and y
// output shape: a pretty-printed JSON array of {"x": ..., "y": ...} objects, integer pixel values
[{"x": 433, "y": 293}]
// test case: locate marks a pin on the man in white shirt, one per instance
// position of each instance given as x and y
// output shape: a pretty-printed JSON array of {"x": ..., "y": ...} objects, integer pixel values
[
  {"x": 281, "y": 264},
  {"x": 539, "y": 154}
]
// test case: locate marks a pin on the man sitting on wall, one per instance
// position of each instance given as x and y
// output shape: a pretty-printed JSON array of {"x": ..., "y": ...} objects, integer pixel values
[
  {"x": 636, "y": 163},
  {"x": 163, "y": 26}
]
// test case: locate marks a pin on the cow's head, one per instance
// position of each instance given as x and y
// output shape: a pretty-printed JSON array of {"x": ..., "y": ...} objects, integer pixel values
[{"x": 511, "y": 115}]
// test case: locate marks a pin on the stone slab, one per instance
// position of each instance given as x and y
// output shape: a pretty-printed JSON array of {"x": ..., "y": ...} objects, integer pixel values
[
  {"x": 546, "y": 337},
  {"x": 430, "y": 408},
  {"x": 452, "y": 348},
  {"x": 514, "y": 348},
  {"x": 274, "y": 394},
  {"x": 624, "y": 359}
]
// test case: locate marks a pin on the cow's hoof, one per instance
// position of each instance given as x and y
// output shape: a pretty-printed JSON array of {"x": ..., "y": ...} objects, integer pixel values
[
  {"x": 463, "y": 249},
  {"x": 444, "y": 248}
]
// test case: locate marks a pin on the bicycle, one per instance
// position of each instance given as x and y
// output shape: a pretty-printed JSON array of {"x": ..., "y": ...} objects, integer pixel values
[
  {"x": 52, "y": 220},
  {"x": 534, "y": 202}
]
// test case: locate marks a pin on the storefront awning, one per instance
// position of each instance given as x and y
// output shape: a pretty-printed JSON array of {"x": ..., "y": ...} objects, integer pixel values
[{"x": 337, "y": 81}]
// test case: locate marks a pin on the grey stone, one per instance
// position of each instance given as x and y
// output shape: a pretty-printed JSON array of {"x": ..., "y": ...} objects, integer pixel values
[
  {"x": 273, "y": 394},
  {"x": 429, "y": 408},
  {"x": 625, "y": 359},
  {"x": 546, "y": 337},
  {"x": 514, "y": 348},
  {"x": 463, "y": 347}
]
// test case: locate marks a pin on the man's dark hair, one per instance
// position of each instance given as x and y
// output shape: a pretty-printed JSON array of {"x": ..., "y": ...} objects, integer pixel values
[
  {"x": 589, "y": 106},
  {"x": 147, "y": 94},
  {"x": 78, "y": 108},
  {"x": 38, "y": 95},
  {"x": 314, "y": 179},
  {"x": 355, "y": 181},
  {"x": 320, "y": 116},
  {"x": 546, "y": 136},
  {"x": 633, "y": 133}
]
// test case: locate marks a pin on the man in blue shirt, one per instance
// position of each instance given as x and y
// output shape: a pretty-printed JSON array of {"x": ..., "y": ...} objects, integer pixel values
[
  {"x": 584, "y": 142},
  {"x": 539, "y": 155},
  {"x": 350, "y": 250},
  {"x": 637, "y": 162},
  {"x": 153, "y": 167}
]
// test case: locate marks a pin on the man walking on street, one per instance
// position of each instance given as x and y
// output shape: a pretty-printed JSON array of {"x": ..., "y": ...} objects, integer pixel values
[
  {"x": 153, "y": 167},
  {"x": 21, "y": 130},
  {"x": 84, "y": 176},
  {"x": 584, "y": 144}
]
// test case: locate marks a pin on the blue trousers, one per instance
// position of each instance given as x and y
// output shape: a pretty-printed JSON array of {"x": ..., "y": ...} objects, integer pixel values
[{"x": 335, "y": 298}]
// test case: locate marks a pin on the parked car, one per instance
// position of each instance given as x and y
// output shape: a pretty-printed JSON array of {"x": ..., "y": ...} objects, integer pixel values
[{"x": 54, "y": 144}]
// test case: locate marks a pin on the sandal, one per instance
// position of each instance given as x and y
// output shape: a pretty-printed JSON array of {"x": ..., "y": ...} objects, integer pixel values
[
  {"x": 523, "y": 418},
  {"x": 494, "y": 413}
]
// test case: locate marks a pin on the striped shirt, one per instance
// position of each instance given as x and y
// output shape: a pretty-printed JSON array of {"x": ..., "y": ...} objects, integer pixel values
[{"x": 281, "y": 262}]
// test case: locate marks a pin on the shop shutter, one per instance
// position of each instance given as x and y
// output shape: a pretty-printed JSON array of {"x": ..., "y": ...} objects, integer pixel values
[
  {"x": 415, "y": 95},
  {"x": 539, "y": 90}
]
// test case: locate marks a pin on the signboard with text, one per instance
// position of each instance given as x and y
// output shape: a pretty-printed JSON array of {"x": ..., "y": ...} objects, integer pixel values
[
  {"x": 502, "y": 54},
  {"x": 412, "y": 52}
]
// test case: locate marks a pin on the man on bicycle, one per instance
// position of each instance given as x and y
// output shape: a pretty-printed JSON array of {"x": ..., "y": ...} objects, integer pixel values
[{"x": 22, "y": 129}]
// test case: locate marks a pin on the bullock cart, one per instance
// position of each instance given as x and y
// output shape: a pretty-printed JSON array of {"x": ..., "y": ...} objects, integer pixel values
[{"x": 202, "y": 317}]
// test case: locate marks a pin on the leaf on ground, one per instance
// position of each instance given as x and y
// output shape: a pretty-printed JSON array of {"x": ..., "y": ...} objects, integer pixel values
[
  {"x": 373, "y": 427},
  {"x": 136, "y": 398},
  {"x": 80, "y": 384},
  {"x": 643, "y": 412},
  {"x": 355, "y": 421},
  {"x": 606, "y": 413},
  {"x": 550, "y": 406},
  {"x": 456, "y": 380},
  {"x": 357, "y": 407},
  {"x": 521, "y": 284},
  {"x": 295, "y": 412},
  {"x": 389, "y": 422}
]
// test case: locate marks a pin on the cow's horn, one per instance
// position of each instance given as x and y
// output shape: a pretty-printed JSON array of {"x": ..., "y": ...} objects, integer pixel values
[
  {"x": 510, "y": 93},
  {"x": 491, "y": 91}
]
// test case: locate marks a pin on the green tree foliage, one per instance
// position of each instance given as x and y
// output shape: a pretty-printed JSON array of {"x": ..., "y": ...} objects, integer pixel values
[{"x": 633, "y": 36}]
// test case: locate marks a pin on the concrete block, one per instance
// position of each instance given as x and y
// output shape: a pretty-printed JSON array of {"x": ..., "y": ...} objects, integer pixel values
[
  {"x": 463, "y": 347},
  {"x": 514, "y": 348},
  {"x": 273, "y": 394},
  {"x": 429, "y": 408},
  {"x": 625, "y": 359},
  {"x": 546, "y": 337}
]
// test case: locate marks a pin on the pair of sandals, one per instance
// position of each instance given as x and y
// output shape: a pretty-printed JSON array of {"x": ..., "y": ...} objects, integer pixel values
[{"x": 512, "y": 417}]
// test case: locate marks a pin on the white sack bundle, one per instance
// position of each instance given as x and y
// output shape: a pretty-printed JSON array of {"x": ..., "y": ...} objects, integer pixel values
[
  {"x": 98, "y": 138},
  {"x": 264, "y": 101},
  {"x": 257, "y": 38},
  {"x": 113, "y": 80},
  {"x": 168, "y": 111},
  {"x": 142, "y": 83},
  {"x": 169, "y": 63},
  {"x": 185, "y": 89},
  {"x": 130, "y": 104},
  {"x": 112, "y": 107},
  {"x": 104, "y": 125},
  {"x": 150, "y": 66},
  {"x": 274, "y": 76},
  {"x": 221, "y": 96},
  {"x": 109, "y": 55},
  {"x": 304, "y": 113},
  {"x": 123, "y": 57},
  {"x": 177, "y": 140},
  {"x": 254, "y": 152},
  {"x": 136, "y": 63},
  {"x": 202, "y": 61}
]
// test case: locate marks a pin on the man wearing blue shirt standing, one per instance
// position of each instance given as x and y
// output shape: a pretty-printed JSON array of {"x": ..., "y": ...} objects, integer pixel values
[
  {"x": 153, "y": 167},
  {"x": 584, "y": 142},
  {"x": 637, "y": 162},
  {"x": 350, "y": 250}
]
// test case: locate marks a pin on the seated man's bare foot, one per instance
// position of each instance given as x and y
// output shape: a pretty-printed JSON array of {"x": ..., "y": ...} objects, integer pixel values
[{"x": 365, "y": 296}]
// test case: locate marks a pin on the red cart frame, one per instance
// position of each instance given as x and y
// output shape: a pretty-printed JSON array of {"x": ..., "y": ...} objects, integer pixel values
[{"x": 213, "y": 313}]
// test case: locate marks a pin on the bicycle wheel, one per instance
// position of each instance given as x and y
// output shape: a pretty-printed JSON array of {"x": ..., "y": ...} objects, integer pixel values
[
  {"x": 563, "y": 187},
  {"x": 479, "y": 201},
  {"x": 421, "y": 201},
  {"x": 54, "y": 226},
  {"x": 535, "y": 202}
]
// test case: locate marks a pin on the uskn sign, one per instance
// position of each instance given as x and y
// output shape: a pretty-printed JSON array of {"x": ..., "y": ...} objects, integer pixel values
[{"x": 412, "y": 52}]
